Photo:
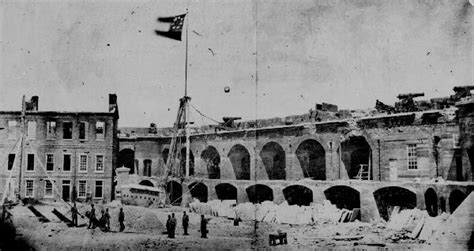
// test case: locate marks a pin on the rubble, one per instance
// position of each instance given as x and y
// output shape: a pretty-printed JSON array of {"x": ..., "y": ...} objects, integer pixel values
[{"x": 272, "y": 213}]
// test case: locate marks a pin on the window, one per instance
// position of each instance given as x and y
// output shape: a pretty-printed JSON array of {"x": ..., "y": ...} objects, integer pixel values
[
  {"x": 29, "y": 188},
  {"x": 67, "y": 130},
  {"x": 98, "y": 189},
  {"x": 82, "y": 189},
  {"x": 147, "y": 167},
  {"x": 11, "y": 160},
  {"x": 49, "y": 162},
  {"x": 412, "y": 157},
  {"x": 99, "y": 130},
  {"x": 48, "y": 189},
  {"x": 83, "y": 130},
  {"x": 82, "y": 163},
  {"x": 12, "y": 129},
  {"x": 99, "y": 163},
  {"x": 30, "y": 165},
  {"x": 31, "y": 130},
  {"x": 67, "y": 162},
  {"x": 456, "y": 143},
  {"x": 50, "y": 129}
]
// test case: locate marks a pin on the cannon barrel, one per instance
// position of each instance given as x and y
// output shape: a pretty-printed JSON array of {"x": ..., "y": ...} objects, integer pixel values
[
  {"x": 231, "y": 118},
  {"x": 410, "y": 95}
]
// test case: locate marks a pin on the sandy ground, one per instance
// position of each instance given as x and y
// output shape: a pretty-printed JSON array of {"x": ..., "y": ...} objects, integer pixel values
[{"x": 145, "y": 227}]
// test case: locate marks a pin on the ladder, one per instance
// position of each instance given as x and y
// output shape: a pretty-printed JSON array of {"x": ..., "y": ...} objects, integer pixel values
[{"x": 363, "y": 173}]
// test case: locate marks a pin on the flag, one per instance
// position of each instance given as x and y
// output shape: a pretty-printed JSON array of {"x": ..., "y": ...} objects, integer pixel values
[{"x": 176, "y": 27}]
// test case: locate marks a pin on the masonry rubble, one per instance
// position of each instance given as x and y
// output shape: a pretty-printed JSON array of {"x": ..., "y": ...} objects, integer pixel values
[{"x": 269, "y": 212}]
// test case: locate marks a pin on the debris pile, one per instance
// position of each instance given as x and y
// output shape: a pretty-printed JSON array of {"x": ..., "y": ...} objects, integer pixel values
[
  {"x": 414, "y": 224},
  {"x": 269, "y": 212}
]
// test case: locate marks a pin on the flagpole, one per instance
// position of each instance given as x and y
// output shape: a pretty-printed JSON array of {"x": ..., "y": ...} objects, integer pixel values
[{"x": 186, "y": 106}]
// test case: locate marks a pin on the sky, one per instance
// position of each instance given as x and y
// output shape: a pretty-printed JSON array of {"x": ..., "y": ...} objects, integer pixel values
[{"x": 278, "y": 57}]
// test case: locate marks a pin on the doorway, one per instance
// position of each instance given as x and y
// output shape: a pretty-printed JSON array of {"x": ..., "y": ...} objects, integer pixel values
[{"x": 66, "y": 190}]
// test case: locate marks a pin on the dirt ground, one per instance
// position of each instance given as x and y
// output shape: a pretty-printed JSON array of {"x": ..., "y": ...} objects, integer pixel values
[{"x": 145, "y": 227}]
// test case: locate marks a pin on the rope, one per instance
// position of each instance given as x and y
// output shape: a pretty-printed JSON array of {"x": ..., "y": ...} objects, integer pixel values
[
  {"x": 186, "y": 192},
  {"x": 47, "y": 175},
  {"x": 203, "y": 115},
  {"x": 17, "y": 146}
]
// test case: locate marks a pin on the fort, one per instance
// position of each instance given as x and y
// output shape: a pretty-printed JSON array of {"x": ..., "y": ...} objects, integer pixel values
[{"x": 413, "y": 154}]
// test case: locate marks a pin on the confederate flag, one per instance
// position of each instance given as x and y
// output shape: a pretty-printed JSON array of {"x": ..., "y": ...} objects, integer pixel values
[{"x": 176, "y": 27}]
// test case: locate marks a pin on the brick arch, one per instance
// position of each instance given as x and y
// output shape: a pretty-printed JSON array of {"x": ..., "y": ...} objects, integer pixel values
[
  {"x": 297, "y": 194},
  {"x": 240, "y": 159},
  {"x": 431, "y": 202},
  {"x": 354, "y": 151},
  {"x": 343, "y": 196},
  {"x": 259, "y": 192},
  {"x": 320, "y": 139},
  {"x": 312, "y": 158},
  {"x": 273, "y": 156},
  {"x": 212, "y": 160},
  {"x": 388, "y": 197}
]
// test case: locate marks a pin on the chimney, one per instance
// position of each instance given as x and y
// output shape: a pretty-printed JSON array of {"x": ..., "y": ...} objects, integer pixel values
[
  {"x": 34, "y": 101},
  {"x": 32, "y": 105},
  {"x": 113, "y": 102}
]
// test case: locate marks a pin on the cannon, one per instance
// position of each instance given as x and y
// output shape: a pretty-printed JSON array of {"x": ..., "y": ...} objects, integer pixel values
[
  {"x": 406, "y": 103},
  {"x": 410, "y": 95},
  {"x": 228, "y": 123}
]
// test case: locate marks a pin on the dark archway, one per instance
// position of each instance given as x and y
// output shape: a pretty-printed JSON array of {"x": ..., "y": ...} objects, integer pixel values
[
  {"x": 312, "y": 158},
  {"x": 212, "y": 158},
  {"x": 388, "y": 197},
  {"x": 356, "y": 152},
  {"x": 147, "y": 167},
  {"x": 259, "y": 193},
  {"x": 182, "y": 162},
  {"x": 175, "y": 192},
  {"x": 226, "y": 191},
  {"x": 126, "y": 158},
  {"x": 298, "y": 195},
  {"x": 274, "y": 160},
  {"x": 431, "y": 202},
  {"x": 146, "y": 183},
  {"x": 165, "y": 154},
  {"x": 199, "y": 191},
  {"x": 343, "y": 197},
  {"x": 456, "y": 197},
  {"x": 240, "y": 159}
]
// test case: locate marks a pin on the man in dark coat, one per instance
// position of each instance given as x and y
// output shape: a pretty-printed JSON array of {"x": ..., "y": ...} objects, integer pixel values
[
  {"x": 173, "y": 225},
  {"x": 74, "y": 214},
  {"x": 121, "y": 219},
  {"x": 204, "y": 222},
  {"x": 168, "y": 227},
  {"x": 185, "y": 222},
  {"x": 92, "y": 217}
]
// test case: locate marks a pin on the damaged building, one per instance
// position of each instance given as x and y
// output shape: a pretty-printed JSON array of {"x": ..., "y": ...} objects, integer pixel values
[
  {"x": 63, "y": 154},
  {"x": 413, "y": 154}
]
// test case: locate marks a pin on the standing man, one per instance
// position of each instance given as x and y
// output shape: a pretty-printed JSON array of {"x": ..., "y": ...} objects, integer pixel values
[
  {"x": 92, "y": 217},
  {"x": 74, "y": 214},
  {"x": 107, "y": 219},
  {"x": 173, "y": 225},
  {"x": 121, "y": 220},
  {"x": 168, "y": 226},
  {"x": 204, "y": 222},
  {"x": 185, "y": 222}
]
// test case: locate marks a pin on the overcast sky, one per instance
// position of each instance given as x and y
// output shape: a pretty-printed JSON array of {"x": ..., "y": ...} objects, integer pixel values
[{"x": 350, "y": 53}]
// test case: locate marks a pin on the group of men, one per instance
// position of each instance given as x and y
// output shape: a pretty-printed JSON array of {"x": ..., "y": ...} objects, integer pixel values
[
  {"x": 104, "y": 220},
  {"x": 171, "y": 225}
]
